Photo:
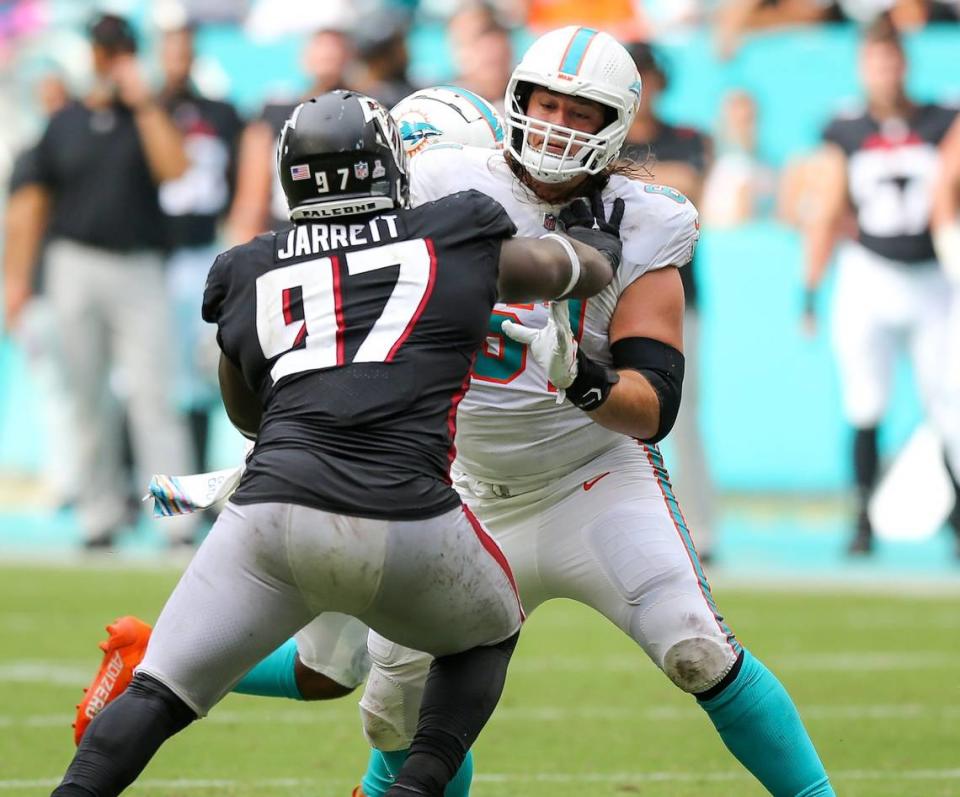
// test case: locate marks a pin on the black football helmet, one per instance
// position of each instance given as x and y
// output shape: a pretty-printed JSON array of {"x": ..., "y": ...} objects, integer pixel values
[{"x": 340, "y": 154}]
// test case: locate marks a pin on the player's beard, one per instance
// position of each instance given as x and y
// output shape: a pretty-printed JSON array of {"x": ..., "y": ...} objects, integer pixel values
[{"x": 557, "y": 193}]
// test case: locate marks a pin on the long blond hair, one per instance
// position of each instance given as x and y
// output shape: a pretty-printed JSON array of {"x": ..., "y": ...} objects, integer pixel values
[{"x": 632, "y": 170}]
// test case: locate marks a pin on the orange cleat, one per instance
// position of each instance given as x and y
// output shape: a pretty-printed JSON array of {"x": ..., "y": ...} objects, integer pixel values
[
  {"x": 122, "y": 651},
  {"x": 357, "y": 792}
]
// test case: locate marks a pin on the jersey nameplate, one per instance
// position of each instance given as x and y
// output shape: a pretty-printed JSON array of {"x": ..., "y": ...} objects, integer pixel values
[{"x": 311, "y": 239}]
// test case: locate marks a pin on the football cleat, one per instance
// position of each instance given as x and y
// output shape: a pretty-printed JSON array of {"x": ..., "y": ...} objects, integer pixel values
[
  {"x": 123, "y": 650},
  {"x": 357, "y": 792}
]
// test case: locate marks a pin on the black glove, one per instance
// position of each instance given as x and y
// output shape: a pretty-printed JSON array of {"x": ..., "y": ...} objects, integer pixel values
[{"x": 586, "y": 222}]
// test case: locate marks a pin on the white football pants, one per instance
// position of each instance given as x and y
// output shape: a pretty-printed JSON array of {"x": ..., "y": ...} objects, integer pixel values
[
  {"x": 609, "y": 535},
  {"x": 880, "y": 307}
]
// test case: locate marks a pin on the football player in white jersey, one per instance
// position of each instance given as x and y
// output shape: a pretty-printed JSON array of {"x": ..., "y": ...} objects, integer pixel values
[{"x": 556, "y": 442}]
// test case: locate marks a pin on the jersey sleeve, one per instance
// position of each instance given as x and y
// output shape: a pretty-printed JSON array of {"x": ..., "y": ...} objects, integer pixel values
[
  {"x": 487, "y": 216},
  {"x": 840, "y": 133},
  {"x": 215, "y": 291},
  {"x": 660, "y": 228},
  {"x": 946, "y": 115},
  {"x": 39, "y": 167},
  {"x": 25, "y": 170},
  {"x": 433, "y": 173},
  {"x": 464, "y": 216}
]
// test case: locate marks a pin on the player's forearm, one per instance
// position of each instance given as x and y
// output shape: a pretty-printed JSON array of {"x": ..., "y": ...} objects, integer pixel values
[
  {"x": 632, "y": 408},
  {"x": 162, "y": 143},
  {"x": 245, "y": 221},
  {"x": 596, "y": 272},
  {"x": 542, "y": 268},
  {"x": 818, "y": 249},
  {"x": 241, "y": 404},
  {"x": 25, "y": 223}
]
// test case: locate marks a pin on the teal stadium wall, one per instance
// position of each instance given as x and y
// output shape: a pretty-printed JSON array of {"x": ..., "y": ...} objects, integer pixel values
[{"x": 770, "y": 402}]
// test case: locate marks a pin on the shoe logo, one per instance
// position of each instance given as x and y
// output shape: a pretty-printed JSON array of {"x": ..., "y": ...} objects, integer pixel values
[
  {"x": 590, "y": 482},
  {"x": 101, "y": 694}
]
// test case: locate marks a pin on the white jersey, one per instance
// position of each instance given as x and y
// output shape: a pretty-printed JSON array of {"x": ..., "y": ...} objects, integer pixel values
[{"x": 510, "y": 429}]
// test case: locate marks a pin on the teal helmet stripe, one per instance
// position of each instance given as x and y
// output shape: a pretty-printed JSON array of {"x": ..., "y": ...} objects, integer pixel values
[
  {"x": 482, "y": 106},
  {"x": 576, "y": 50}
]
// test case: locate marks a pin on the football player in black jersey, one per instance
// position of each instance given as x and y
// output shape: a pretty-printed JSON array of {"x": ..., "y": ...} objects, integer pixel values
[
  {"x": 881, "y": 162},
  {"x": 347, "y": 344}
]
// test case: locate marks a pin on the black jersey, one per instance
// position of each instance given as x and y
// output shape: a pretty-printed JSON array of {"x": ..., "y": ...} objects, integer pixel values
[
  {"x": 95, "y": 166},
  {"x": 679, "y": 144},
  {"x": 891, "y": 170},
  {"x": 358, "y": 338}
]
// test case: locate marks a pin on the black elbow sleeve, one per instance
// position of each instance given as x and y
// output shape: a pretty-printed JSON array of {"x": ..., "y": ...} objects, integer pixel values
[{"x": 662, "y": 366}]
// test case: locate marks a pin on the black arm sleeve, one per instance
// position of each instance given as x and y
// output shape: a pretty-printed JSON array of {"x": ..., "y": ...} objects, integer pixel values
[
  {"x": 662, "y": 366},
  {"x": 215, "y": 290}
]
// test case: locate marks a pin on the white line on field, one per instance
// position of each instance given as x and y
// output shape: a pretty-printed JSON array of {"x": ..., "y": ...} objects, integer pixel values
[
  {"x": 853, "y": 661},
  {"x": 538, "y": 714},
  {"x": 520, "y": 777},
  {"x": 62, "y": 673}
]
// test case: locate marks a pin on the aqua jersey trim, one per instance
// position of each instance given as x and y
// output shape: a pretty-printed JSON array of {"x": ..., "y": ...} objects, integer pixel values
[{"x": 655, "y": 459}]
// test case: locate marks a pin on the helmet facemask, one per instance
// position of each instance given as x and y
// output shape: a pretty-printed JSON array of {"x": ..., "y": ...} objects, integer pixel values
[
  {"x": 580, "y": 63},
  {"x": 582, "y": 153}
]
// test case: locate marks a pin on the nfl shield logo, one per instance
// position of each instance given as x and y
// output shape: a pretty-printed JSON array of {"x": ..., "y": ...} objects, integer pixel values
[
  {"x": 361, "y": 170},
  {"x": 300, "y": 172}
]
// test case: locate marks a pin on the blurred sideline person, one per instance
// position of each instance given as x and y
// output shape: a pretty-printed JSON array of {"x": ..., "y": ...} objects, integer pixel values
[
  {"x": 679, "y": 157},
  {"x": 347, "y": 503},
  {"x": 484, "y": 62},
  {"x": 577, "y": 493},
  {"x": 327, "y": 658},
  {"x": 31, "y": 319},
  {"x": 735, "y": 18},
  {"x": 740, "y": 187},
  {"x": 194, "y": 204},
  {"x": 890, "y": 288},
  {"x": 621, "y": 18},
  {"x": 258, "y": 203},
  {"x": 382, "y": 58},
  {"x": 98, "y": 165}
]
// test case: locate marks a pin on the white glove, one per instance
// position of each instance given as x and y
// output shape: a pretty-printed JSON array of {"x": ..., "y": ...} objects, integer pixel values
[
  {"x": 553, "y": 346},
  {"x": 181, "y": 495}
]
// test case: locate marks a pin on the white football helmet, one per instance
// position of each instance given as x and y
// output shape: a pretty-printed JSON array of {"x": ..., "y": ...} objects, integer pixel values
[
  {"x": 584, "y": 63},
  {"x": 447, "y": 114}
]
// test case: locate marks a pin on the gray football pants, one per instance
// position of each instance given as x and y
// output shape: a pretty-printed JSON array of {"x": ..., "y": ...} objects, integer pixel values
[
  {"x": 266, "y": 570},
  {"x": 113, "y": 316}
]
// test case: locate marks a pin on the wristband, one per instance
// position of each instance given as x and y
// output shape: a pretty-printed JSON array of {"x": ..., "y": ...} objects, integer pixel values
[
  {"x": 592, "y": 385},
  {"x": 574, "y": 261}
]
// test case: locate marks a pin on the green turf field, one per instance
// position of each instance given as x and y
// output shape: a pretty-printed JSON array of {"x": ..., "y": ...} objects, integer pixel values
[{"x": 875, "y": 676}]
